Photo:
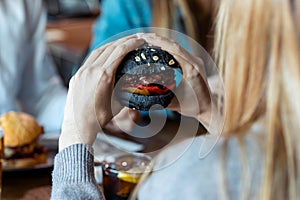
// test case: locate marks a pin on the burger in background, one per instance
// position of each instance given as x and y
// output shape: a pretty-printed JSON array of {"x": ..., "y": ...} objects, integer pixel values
[{"x": 21, "y": 146}]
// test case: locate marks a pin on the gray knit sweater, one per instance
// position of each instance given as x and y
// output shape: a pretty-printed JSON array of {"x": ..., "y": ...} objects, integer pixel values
[{"x": 187, "y": 177}]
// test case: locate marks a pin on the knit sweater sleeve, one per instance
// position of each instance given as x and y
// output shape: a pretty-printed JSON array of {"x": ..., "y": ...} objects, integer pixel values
[{"x": 73, "y": 174}]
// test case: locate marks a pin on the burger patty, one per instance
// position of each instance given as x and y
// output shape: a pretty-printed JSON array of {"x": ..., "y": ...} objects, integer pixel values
[
  {"x": 160, "y": 79},
  {"x": 25, "y": 151}
]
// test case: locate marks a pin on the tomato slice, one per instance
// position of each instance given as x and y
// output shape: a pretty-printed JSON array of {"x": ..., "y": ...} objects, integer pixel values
[
  {"x": 135, "y": 90},
  {"x": 156, "y": 89},
  {"x": 148, "y": 89}
]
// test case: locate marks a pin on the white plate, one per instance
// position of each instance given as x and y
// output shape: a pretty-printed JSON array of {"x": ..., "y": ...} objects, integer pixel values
[
  {"x": 50, "y": 141},
  {"x": 119, "y": 143},
  {"x": 48, "y": 164}
]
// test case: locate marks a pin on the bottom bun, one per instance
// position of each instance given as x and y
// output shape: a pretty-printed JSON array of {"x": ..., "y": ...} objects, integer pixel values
[
  {"x": 25, "y": 162},
  {"x": 144, "y": 102}
]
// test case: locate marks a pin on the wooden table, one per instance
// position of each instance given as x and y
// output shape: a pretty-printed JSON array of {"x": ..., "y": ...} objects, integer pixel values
[
  {"x": 27, "y": 184},
  {"x": 36, "y": 184}
]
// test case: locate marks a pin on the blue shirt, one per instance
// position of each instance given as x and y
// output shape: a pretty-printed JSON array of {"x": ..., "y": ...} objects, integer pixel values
[{"x": 120, "y": 15}]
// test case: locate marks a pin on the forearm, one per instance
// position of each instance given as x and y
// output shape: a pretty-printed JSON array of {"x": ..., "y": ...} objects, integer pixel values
[{"x": 73, "y": 174}]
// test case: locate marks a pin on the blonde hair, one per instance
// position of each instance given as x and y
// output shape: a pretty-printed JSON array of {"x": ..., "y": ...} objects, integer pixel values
[
  {"x": 257, "y": 49},
  {"x": 196, "y": 18}
]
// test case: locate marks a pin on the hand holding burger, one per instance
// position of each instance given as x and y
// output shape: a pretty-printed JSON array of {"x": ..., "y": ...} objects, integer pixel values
[
  {"x": 193, "y": 93},
  {"x": 90, "y": 97},
  {"x": 93, "y": 99}
]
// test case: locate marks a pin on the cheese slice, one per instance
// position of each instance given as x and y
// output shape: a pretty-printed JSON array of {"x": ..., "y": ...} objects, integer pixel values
[{"x": 136, "y": 91}]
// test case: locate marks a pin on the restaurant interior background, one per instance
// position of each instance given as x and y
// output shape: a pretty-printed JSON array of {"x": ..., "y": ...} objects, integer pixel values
[{"x": 69, "y": 32}]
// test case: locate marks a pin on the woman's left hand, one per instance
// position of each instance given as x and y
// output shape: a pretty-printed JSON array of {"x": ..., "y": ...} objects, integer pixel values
[{"x": 192, "y": 97}]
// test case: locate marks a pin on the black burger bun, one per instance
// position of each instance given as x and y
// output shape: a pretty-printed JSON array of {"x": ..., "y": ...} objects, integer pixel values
[{"x": 146, "y": 78}]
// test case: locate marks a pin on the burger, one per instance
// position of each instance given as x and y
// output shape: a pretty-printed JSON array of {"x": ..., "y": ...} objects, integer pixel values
[
  {"x": 21, "y": 146},
  {"x": 146, "y": 78}
]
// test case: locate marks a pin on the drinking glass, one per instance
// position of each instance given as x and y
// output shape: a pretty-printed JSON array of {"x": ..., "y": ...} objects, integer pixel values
[{"x": 121, "y": 175}]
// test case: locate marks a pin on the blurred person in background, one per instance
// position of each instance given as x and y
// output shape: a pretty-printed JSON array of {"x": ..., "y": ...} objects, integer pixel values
[
  {"x": 193, "y": 17},
  {"x": 258, "y": 155},
  {"x": 28, "y": 78}
]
